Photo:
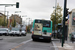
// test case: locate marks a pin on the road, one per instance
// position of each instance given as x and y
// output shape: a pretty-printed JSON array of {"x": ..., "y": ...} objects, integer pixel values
[{"x": 23, "y": 43}]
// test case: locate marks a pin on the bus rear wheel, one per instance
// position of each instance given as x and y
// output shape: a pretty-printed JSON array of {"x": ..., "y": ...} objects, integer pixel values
[
  {"x": 34, "y": 39},
  {"x": 49, "y": 40}
]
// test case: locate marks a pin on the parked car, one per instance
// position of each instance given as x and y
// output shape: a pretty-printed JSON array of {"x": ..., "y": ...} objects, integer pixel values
[
  {"x": 72, "y": 35},
  {"x": 3, "y": 31},
  {"x": 15, "y": 31},
  {"x": 23, "y": 32},
  {"x": 10, "y": 32}
]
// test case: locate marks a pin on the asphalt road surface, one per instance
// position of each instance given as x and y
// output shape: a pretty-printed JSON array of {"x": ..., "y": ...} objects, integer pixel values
[{"x": 23, "y": 43}]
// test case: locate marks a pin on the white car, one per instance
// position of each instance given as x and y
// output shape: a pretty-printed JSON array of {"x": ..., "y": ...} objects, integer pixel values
[
  {"x": 11, "y": 33},
  {"x": 3, "y": 31},
  {"x": 23, "y": 32},
  {"x": 15, "y": 31}
]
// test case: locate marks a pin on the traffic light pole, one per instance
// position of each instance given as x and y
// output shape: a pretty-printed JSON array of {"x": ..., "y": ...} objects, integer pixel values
[{"x": 64, "y": 15}]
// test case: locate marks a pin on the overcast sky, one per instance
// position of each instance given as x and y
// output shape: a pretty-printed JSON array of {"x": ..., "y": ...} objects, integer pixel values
[{"x": 35, "y": 9}]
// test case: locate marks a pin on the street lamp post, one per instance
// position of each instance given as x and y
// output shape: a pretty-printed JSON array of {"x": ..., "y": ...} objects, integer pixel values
[
  {"x": 55, "y": 17},
  {"x": 5, "y": 13},
  {"x": 29, "y": 20},
  {"x": 24, "y": 16},
  {"x": 7, "y": 17}
]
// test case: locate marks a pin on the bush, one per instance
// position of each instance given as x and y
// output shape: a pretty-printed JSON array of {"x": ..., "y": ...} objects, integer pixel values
[{"x": 28, "y": 29}]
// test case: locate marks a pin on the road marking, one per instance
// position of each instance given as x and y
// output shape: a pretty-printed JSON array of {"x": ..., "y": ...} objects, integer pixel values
[
  {"x": 66, "y": 46},
  {"x": 26, "y": 41},
  {"x": 55, "y": 46},
  {"x": 21, "y": 44},
  {"x": 13, "y": 49},
  {"x": 12, "y": 37}
]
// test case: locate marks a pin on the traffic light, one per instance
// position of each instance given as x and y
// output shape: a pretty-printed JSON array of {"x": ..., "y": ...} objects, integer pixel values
[
  {"x": 17, "y": 4},
  {"x": 66, "y": 14}
]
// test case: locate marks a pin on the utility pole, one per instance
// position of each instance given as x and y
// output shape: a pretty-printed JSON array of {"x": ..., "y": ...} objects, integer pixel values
[
  {"x": 4, "y": 15},
  {"x": 55, "y": 17},
  {"x": 64, "y": 15},
  {"x": 7, "y": 18}
]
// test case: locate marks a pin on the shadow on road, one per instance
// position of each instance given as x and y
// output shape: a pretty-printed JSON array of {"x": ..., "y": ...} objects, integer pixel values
[{"x": 44, "y": 41}]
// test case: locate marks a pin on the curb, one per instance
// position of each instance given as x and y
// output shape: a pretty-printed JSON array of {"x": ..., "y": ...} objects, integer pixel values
[{"x": 54, "y": 46}]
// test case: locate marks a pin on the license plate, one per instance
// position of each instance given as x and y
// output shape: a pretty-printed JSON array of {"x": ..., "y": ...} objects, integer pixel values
[{"x": 41, "y": 38}]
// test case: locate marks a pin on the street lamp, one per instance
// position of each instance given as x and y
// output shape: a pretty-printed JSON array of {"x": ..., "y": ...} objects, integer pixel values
[
  {"x": 17, "y": 11},
  {"x": 7, "y": 18}
]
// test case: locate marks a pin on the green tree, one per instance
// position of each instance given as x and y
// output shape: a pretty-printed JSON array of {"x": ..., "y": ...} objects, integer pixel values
[
  {"x": 13, "y": 23},
  {"x": 3, "y": 23},
  {"x": 28, "y": 29},
  {"x": 0, "y": 21},
  {"x": 58, "y": 16}
]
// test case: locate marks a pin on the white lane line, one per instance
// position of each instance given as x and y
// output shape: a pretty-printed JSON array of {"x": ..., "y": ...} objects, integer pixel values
[
  {"x": 55, "y": 46},
  {"x": 26, "y": 41},
  {"x": 12, "y": 37},
  {"x": 21, "y": 44}
]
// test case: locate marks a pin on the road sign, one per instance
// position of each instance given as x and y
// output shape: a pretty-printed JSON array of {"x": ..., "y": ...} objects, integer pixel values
[{"x": 73, "y": 18}]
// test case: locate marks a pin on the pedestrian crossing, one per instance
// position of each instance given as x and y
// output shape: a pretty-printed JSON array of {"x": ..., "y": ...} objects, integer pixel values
[{"x": 67, "y": 47}]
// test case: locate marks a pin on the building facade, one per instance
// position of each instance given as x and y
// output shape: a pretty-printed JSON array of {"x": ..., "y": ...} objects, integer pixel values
[
  {"x": 17, "y": 18},
  {"x": 71, "y": 27}
]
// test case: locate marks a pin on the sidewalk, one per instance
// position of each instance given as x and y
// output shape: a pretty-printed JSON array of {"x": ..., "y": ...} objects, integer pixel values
[{"x": 67, "y": 45}]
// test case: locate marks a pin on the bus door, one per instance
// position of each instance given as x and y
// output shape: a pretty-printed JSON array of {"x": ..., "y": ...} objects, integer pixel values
[{"x": 38, "y": 29}]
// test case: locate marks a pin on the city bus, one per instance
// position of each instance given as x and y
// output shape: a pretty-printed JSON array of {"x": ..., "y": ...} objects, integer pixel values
[{"x": 42, "y": 29}]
